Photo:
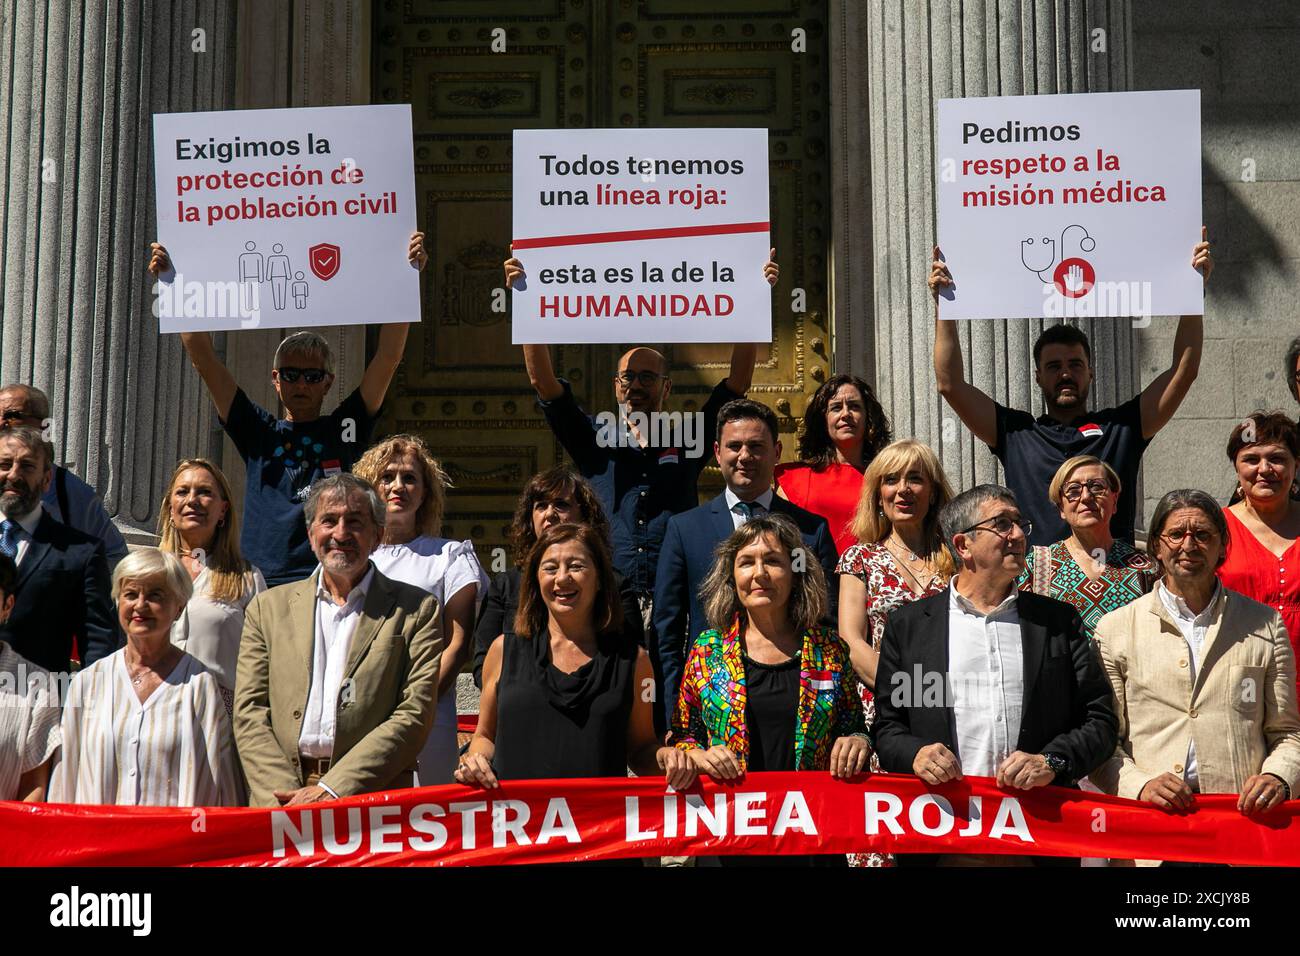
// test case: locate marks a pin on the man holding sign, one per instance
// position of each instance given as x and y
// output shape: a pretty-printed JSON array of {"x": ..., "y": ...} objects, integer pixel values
[
  {"x": 1032, "y": 449},
  {"x": 640, "y": 484},
  {"x": 285, "y": 456}
]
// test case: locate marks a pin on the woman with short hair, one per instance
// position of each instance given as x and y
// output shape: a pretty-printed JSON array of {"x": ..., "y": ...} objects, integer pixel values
[
  {"x": 766, "y": 688},
  {"x": 1264, "y": 518},
  {"x": 146, "y": 726},
  {"x": 1091, "y": 570}
]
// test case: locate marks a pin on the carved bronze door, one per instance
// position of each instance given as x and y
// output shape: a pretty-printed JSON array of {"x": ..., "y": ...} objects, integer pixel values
[{"x": 586, "y": 63}]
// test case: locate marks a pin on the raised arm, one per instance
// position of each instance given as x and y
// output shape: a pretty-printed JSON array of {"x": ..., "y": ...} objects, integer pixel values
[
  {"x": 198, "y": 345},
  {"x": 745, "y": 354},
  {"x": 392, "y": 342},
  {"x": 537, "y": 358},
  {"x": 973, "y": 407},
  {"x": 1166, "y": 392}
]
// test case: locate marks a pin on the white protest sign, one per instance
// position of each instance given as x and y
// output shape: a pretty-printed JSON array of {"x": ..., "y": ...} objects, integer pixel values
[
  {"x": 1073, "y": 205},
  {"x": 654, "y": 235},
  {"x": 276, "y": 218}
]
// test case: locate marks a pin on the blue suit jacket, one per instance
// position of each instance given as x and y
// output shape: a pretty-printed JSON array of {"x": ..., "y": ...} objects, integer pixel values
[
  {"x": 62, "y": 595},
  {"x": 684, "y": 563}
]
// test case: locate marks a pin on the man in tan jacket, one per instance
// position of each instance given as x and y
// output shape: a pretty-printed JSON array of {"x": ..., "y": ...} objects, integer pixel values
[
  {"x": 1204, "y": 677},
  {"x": 338, "y": 674}
]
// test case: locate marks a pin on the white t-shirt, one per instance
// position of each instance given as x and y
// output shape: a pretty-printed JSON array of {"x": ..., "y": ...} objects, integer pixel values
[
  {"x": 29, "y": 718},
  {"x": 443, "y": 568}
]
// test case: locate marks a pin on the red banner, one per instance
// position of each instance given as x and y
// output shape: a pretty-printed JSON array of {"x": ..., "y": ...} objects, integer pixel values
[{"x": 552, "y": 821}]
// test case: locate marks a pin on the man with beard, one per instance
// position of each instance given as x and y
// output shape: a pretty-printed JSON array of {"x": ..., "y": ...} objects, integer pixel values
[
  {"x": 640, "y": 484},
  {"x": 69, "y": 500},
  {"x": 62, "y": 591},
  {"x": 1032, "y": 449},
  {"x": 338, "y": 674}
]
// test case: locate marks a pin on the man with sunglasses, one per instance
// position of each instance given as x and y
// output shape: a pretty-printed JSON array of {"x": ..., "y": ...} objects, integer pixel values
[
  {"x": 985, "y": 680},
  {"x": 640, "y": 486},
  {"x": 69, "y": 500},
  {"x": 285, "y": 456}
]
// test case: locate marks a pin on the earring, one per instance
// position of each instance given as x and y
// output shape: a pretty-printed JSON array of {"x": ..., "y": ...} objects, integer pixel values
[{"x": 222, "y": 522}]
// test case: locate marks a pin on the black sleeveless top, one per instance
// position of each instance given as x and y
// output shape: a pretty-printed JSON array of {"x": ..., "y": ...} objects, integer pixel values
[{"x": 551, "y": 724}]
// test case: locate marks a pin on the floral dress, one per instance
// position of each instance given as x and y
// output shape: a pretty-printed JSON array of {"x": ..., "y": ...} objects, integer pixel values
[{"x": 887, "y": 589}]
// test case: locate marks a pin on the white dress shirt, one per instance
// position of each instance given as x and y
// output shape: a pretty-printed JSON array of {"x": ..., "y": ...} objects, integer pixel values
[
  {"x": 737, "y": 519},
  {"x": 26, "y": 528},
  {"x": 331, "y": 641},
  {"x": 986, "y": 674},
  {"x": 1193, "y": 627}
]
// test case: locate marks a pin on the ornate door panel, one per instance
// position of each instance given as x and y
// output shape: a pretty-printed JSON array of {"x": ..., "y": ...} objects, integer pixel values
[{"x": 585, "y": 63}]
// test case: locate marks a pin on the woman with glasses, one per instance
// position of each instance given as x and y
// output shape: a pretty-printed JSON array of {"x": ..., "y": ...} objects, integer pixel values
[
  {"x": 844, "y": 428},
  {"x": 1204, "y": 677},
  {"x": 1264, "y": 521},
  {"x": 1091, "y": 569}
]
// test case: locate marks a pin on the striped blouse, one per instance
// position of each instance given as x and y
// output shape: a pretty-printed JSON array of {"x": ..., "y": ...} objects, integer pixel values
[
  {"x": 173, "y": 750},
  {"x": 29, "y": 719}
]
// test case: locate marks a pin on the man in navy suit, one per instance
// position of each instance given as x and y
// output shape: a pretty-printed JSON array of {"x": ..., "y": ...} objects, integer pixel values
[
  {"x": 747, "y": 450},
  {"x": 62, "y": 593}
]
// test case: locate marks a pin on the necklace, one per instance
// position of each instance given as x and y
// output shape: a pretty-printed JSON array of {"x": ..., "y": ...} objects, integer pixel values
[{"x": 911, "y": 555}]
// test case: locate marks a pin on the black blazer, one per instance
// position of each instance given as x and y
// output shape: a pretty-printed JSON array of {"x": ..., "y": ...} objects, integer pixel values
[
  {"x": 684, "y": 563},
  {"x": 62, "y": 595},
  {"x": 1068, "y": 706}
]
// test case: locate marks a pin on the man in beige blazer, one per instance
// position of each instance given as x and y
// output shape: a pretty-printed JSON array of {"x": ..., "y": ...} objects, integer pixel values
[
  {"x": 338, "y": 674},
  {"x": 1204, "y": 677}
]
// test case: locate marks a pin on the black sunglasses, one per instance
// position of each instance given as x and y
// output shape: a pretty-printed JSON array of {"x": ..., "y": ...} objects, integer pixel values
[{"x": 312, "y": 376}]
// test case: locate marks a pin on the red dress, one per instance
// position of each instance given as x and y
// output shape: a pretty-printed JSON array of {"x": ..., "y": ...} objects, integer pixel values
[
  {"x": 831, "y": 492},
  {"x": 1261, "y": 575}
]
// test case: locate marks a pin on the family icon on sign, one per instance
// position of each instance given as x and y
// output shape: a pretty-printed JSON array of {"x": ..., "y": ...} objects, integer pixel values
[{"x": 277, "y": 271}]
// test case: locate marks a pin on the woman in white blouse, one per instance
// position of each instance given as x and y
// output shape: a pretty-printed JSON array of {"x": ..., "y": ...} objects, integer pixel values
[
  {"x": 146, "y": 726},
  {"x": 413, "y": 487},
  {"x": 197, "y": 523}
]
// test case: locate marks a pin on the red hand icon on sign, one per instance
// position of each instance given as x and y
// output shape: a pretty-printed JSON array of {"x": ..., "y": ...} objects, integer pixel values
[
  {"x": 325, "y": 260},
  {"x": 1074, "y": 278}
]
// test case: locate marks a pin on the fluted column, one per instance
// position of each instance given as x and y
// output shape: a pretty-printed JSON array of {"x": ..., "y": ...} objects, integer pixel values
[
  {"x": 918, "y": 52},
  {"x": 79, "y": 82}
]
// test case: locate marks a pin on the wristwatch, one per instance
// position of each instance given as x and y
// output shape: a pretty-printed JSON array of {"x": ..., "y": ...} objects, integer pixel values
[{"x": 1058, "y": 764}]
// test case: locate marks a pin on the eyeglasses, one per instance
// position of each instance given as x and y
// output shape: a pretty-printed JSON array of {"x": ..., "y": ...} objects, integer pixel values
[
  {"x": 645, "y": 377},
  {"x": 1001, "y": 526},
  {"x": 1096, "y": 488},
  {"x": 312, "y": 376},
  {"x": 1176, "y": 537}
]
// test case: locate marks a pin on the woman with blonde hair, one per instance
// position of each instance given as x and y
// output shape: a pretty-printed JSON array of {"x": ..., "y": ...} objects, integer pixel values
[
  {"x": 1091, "y": 570},
  {"x": 198, "y": 523},
  {"x": 413, "y": 487},
  {"x": 900, "y": 557},
  {"x": 145, "y": 726}
]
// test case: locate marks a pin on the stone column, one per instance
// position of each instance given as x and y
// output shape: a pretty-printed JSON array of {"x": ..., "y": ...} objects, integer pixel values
[
  {"x": 78, "y": 86},
  {"x": 917, "y": 52}
]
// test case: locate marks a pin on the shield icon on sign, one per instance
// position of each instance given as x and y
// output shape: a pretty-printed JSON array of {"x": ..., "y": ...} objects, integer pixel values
[{"x": 325, "y": 258}]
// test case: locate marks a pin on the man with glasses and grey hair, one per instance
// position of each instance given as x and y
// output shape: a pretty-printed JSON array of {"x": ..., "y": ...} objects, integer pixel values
[
  {"x": 338, "y": 674},
  {"x": 284, "y": 456},
  {"x": 986, "y": 680}
]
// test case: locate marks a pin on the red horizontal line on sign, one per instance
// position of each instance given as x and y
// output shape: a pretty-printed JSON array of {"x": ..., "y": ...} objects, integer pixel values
[{"x": 630, "y": 235}]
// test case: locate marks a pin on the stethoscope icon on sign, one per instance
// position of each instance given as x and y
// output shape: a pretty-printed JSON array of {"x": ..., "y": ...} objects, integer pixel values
[{"x": 1074, "y": 276}]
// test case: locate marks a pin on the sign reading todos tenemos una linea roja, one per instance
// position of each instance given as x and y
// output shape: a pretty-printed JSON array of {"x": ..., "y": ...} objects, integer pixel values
[
  {"x": 1075, "y": 205},
  {"x": 277, "y": 218},
  {"x": 656, "y": 235}
]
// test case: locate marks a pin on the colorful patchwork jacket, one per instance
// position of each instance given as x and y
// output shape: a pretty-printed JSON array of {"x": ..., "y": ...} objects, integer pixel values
[{"x": 711, "y": 706}]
